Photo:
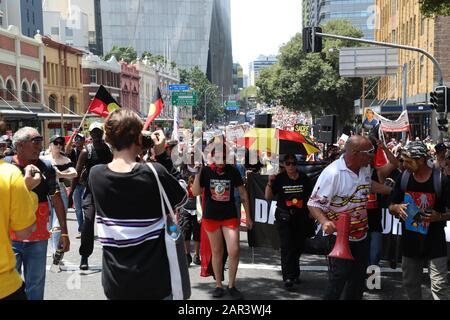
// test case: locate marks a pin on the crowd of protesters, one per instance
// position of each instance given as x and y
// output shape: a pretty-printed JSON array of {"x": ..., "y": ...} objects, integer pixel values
[{"x": 110, "y": 180}]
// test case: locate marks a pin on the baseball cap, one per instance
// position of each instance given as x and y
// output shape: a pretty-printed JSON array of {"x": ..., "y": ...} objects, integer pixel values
[
  {"x": 96, "y": 125},
  {"x": 415, "y": 150},
  {"x": 4, "y": 139},
  {"x": 440, "y": 147},
  {"x": 57, "y": 138},
  {"x": 79, "y": 137}
]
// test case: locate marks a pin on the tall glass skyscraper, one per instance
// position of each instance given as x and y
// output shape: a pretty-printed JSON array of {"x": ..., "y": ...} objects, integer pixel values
[
  {"x": 360, "y": 12},
  {"x": 188, "y": 32}
]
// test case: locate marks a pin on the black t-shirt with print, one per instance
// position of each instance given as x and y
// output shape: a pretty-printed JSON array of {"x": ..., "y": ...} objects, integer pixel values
[
  {"x": 48, "y": 185},
  {"x": 135, "y": 264},
  {"x": 292, "y": 194},
  {"x": 433, "y": 244},
  {"x": 219, "y": 192}
]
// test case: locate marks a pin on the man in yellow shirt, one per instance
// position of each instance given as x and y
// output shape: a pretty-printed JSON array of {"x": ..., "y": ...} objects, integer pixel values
[{"x": 17, "y": 213}]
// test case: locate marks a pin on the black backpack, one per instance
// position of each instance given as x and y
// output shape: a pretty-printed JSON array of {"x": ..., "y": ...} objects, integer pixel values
[{"x": 437, "y": 181}]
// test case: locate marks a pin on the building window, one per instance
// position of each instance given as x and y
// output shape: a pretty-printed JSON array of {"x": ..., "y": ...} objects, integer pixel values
[
  {"x": 28, "y": 16},
  {"x": 422, "y": 69},
  {"x": 72, "y": 103},
  {"x": 92, "y": 38},
  {"x": 25, "y": 92},
  {"x": 93, "y": 75},
  {"x": 54, "y": 30},
  {"x": 422, "y": 25},
  {"x": 34, "y": 93},
  {"x": 69, "y": 32},
  {"x": 52, "y": 102},
  {"x": 33, "y": 19},
  {"x": 10, "y": 90}
]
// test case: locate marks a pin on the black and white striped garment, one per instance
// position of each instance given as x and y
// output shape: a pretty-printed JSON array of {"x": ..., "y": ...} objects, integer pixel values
[{"x": 130, "y": 227}]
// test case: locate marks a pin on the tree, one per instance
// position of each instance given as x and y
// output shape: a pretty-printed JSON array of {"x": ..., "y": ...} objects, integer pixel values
[
  {"x": 311, "y": 82},
  {"x": 198, "y": 82},
  {"x": 128, "y": 54},
  {"x": 431, "y": 8}
]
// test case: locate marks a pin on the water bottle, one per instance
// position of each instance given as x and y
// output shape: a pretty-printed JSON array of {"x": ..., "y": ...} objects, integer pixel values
[
  {"x": 173, "y": 232},
  {"x": 57, "y": 257}
]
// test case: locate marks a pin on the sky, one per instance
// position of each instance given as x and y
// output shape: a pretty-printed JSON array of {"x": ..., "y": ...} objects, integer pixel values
[{"x": 262, "y": 27}]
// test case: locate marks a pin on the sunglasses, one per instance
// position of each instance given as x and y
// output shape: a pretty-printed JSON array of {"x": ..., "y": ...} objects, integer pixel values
[
  {"x": 290, "y": 163},
  {"x": 58, "y": 143},
  {"x": 368, "y": 152},
  {"x": 37, "y": 140}
]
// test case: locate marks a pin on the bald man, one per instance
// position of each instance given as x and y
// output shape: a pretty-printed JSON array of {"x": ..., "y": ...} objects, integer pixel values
[{"x": 343, "y": 188}]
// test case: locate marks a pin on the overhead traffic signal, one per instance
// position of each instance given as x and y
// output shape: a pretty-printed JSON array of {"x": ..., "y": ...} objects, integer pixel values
[
  {"x": 308, "y": 40},
  {"x": 440, "y": 99}
]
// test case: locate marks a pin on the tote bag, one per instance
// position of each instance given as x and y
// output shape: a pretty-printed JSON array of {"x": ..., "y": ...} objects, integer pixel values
[{"x": 179, "y": 273}]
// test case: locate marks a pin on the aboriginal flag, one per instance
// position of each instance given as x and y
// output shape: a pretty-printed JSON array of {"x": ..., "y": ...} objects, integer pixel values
[
  {"x": 103, "y": 103},
  {"x": 155, "y": 108}
]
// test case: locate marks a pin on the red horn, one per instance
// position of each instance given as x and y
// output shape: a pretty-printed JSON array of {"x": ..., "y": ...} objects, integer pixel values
[{"x": 341, "y": 248}]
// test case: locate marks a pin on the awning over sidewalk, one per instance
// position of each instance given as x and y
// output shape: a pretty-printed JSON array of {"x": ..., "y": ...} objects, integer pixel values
[
  {"x": 57, "y": 116},
  {"x": 9, "y": 114}
]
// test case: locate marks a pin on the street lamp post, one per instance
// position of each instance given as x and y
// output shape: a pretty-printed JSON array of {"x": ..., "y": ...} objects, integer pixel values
[{"x": 206, "y": 96}]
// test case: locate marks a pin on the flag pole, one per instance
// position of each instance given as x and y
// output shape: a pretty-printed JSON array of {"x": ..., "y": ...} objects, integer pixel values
[{"x": 69, "y": 143}]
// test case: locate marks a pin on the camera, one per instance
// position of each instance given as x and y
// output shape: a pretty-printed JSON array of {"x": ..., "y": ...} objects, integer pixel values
[{"x": 147, "y": 141}]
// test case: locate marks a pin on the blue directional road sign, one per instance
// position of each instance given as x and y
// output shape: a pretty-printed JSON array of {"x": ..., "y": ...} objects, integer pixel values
[
  {"x": 232, "y": 108},
  {"x": 179, "y": 87}
]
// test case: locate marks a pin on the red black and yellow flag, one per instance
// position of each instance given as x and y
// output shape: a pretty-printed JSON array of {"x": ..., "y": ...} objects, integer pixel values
[
  {"x": 103, "y": 103},
  {"x": 155, "y": 108}
]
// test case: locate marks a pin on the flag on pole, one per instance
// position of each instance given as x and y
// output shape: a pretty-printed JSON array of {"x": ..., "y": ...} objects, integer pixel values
[
  {"x": 155, "y": 108},
  {"x": 103, "y": 103}
]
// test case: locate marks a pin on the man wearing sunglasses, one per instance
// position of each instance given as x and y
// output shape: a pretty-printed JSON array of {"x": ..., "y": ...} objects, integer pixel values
[
  {"x": 32, "y": 252},
  {"x": 343, "y": 188}
]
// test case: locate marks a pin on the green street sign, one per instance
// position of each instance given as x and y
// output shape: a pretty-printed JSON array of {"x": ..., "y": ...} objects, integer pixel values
[
  {"x": 180, "y": 98},
  {"x": 231, "y": 103}
]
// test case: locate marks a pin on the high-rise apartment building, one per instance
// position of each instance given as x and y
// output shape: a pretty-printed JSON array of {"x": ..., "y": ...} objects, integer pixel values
[
  {"x": 361, "y": 13},
  {"x": 257, "y": 65}
]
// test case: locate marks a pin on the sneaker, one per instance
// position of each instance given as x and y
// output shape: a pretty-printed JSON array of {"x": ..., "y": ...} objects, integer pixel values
[
  {"x": 78, "y": 236},
  {"x": 289, "y": 284},
  {"x": 235, "y": 294},
  {"x": 189, "y": 259},
  {"x": 197, "y": 260},
  {"x": 218, "y": 292},
  {"x": 297, "y": 280},
  {"x": 84, "y": 263}
]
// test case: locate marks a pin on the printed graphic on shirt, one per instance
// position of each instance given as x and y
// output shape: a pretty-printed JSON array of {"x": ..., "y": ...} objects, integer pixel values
[
  {"x": 354, "y": 205},
  {"x": 419, "y": 203},
  {"x": 293, "y": 196},
  {"x": 220, "y": 190}
]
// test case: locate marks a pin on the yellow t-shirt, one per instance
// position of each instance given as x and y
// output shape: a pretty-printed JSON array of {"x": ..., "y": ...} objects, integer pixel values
[{"x": 17, "y": 212}]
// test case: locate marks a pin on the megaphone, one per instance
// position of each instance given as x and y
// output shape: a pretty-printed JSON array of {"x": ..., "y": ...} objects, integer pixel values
[{"x": 341, "y": 248}]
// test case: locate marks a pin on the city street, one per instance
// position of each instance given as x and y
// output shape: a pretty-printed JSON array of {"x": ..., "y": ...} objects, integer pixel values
[{"x": 258, "y": 277}]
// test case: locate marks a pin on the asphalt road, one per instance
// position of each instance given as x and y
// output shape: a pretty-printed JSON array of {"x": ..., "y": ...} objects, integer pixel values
[{"x": 259, "y": 276}]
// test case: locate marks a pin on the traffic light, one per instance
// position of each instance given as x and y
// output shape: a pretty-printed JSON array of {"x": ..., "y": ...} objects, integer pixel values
[
  {"x": 307, "y": 40},
  {"x": 440, "y": 99},
  {"x": 443, "y": 125}
]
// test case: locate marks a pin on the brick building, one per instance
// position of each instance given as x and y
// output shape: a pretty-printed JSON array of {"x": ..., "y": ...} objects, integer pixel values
[
  {"x": 129, "y": 84},
  {"x": 21, "y": 79},
  {"x": 98, "y": 72}
]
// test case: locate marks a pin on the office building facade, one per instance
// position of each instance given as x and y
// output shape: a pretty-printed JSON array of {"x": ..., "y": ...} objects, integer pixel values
[
  {"x": 402, "y": 22},
  {"x": 260, "y": 63},
  {"x": 24, "y": 14},
  {"x": 190, "y": 33},
  {"x": 362, "y": 13}
]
